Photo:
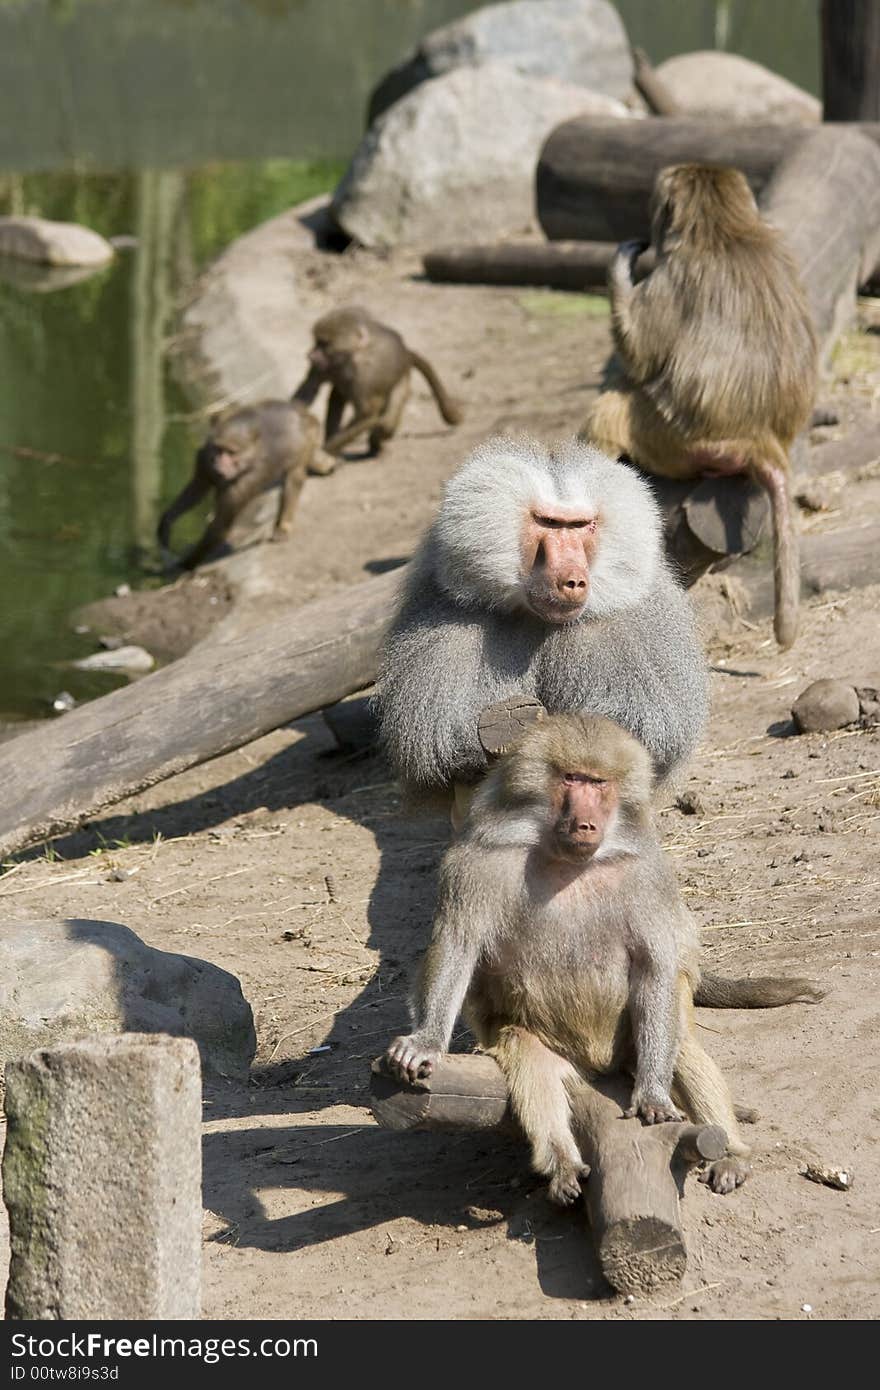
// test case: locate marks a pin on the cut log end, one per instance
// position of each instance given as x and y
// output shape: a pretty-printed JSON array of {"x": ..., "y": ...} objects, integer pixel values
[
  {"x": 642, "y": 1254},
  {"x": 501, "y": 725}
]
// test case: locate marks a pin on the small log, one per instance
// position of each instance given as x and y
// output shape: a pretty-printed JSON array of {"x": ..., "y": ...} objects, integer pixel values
[
  {"x": 501, "y": 725},
  {"x": 558, "y": 265},
  {"x": 632, "y": 1193}
]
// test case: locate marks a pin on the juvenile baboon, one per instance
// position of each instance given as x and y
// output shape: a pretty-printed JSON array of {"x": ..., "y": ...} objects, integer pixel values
[
  {"x": 717, "y": 353},
  {"x": 368, "y": 367},
  {"x": 542, "y": 576},
  {"x": 246, "y": 452},
  {"x": 561, "y": 936}
]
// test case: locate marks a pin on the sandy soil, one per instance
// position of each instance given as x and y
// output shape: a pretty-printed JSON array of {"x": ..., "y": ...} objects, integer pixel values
[{"x": 294, "y": 867}]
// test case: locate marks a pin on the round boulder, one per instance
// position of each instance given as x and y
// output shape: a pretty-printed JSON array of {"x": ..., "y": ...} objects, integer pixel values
[
  {"x": 578, "y": 41},
  {"x": 714, "y": 85},
  {"x": 825, "y": 705}
]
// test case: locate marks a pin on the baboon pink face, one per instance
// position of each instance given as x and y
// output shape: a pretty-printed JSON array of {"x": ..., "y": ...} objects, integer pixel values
[
  {"x": 558, "y": 547},
  {"x": 584, "y": 806}
]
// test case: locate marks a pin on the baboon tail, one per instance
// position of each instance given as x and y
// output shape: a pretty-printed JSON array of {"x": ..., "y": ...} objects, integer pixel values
[
  {"x": 772, "y": 472},
  {"x": 452, "y": 412},
  {"x": 765, "y": 992}
]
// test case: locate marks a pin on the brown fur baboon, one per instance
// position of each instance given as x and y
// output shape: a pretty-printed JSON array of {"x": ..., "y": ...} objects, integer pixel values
[
  {"x": 562, "y": 937},
  {"x": 716, "y": 353},
  {"x": 368, "y": 367},
  {"x": 246, "y": 452}
]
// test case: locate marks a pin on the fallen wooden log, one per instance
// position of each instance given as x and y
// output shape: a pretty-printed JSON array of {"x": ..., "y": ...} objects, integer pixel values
[
  {"x": 632, "y": 1192},
  {"x": 825, "y": 197},
  {"x": 594, "y": 177},
  {"x": 551, "y": 265},
  {"x": 215, "y": 699},
  {"x": 558, "y": 265}
]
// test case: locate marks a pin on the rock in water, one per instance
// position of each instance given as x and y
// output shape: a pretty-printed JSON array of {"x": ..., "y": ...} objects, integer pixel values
[
  {"x": 61, "y": 980},
  {"x": 578, "y": 41},
  {"x": 124, "y": 658},
  {"x": 52, "y": 243},
  {"x": 825, "y": 705},
  {"x": 455, "y": 160}
]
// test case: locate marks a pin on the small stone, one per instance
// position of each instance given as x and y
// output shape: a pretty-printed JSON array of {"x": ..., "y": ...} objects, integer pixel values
[
  {"x": 122, "y": 590},
  {"x": 829, "y": 1176},
  {"x": 825, "y": 705},
  {"x": 818, "y": 494},
  {"x": 122, "y": 658},
  {"x": 806, "y": 1307},
  {"x": 690, "y": 804},
  {"x": 63, "y": 702}
]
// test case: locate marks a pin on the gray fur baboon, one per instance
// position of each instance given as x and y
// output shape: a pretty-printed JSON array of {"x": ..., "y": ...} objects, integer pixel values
[
  {"x": 717, "y": 353},
  {"x": 368, "y": 367},
  {"x": 561, "y": 936},
  {"x": 246, "y": 452},
  {"x": 542, "y": 576}
]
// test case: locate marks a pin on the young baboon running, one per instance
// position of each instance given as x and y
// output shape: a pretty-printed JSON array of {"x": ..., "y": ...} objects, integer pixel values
[
  {"x": 368, "y": 367},
  {"x": 561, "y": 935},
  {"x": 717, "y": 353}
]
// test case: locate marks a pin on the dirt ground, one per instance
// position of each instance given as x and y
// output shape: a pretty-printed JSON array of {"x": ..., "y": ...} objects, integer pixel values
[{"x": 294, "y": 867}]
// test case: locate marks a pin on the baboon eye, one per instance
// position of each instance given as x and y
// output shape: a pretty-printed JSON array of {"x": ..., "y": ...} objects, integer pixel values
[{"x": 571, "y": 778}]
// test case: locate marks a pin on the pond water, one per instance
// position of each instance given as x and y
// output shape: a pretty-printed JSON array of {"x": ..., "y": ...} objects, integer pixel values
[{"x": 182, "y": 123}]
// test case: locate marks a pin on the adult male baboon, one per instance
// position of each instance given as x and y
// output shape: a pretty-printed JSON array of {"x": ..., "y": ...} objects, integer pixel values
[
  {"x": 368, "y": 367},
  {"x": 246, "y": 452},
  {"x": 562, "y": 937},
  {"x": 542, "y": 576},
  {"x": 717, "y": 353}
]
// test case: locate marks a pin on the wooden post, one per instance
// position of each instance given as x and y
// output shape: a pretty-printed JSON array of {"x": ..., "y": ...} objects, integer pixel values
[
  {"x": 636, "y": 1171},
  {"x": 851, "y": 60}
]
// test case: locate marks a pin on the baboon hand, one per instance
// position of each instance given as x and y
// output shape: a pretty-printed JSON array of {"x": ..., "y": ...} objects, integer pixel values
[
  {"x": 653, "y": 1107},
  {"x": 412, "y": 1056},
  {"x": 631, "y": 250}
]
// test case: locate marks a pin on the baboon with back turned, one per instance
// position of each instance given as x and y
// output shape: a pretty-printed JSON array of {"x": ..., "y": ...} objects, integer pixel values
[{"x": 716, "y": 353}]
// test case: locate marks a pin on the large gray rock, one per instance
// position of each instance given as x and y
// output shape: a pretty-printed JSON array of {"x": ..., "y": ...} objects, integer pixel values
[
  {"x": 725, "y": 86},
  {"x": 52, "y": 243},
  {"x": 456, "y": 158},
  {"x": 578, "y": 41},
  {"x": 63, "y": 979}
]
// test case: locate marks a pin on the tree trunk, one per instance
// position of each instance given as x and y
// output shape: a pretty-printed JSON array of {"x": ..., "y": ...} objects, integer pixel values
[{"x": 851, "y": 60}]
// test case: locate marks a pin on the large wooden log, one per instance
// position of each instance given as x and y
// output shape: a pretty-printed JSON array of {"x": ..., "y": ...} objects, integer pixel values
[
  {"x": 825, "y": 198},
  {"x": 594, "y": 177},
  {"x": 215, "y": 699},
  {"x": 635, "y": 1170}
]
